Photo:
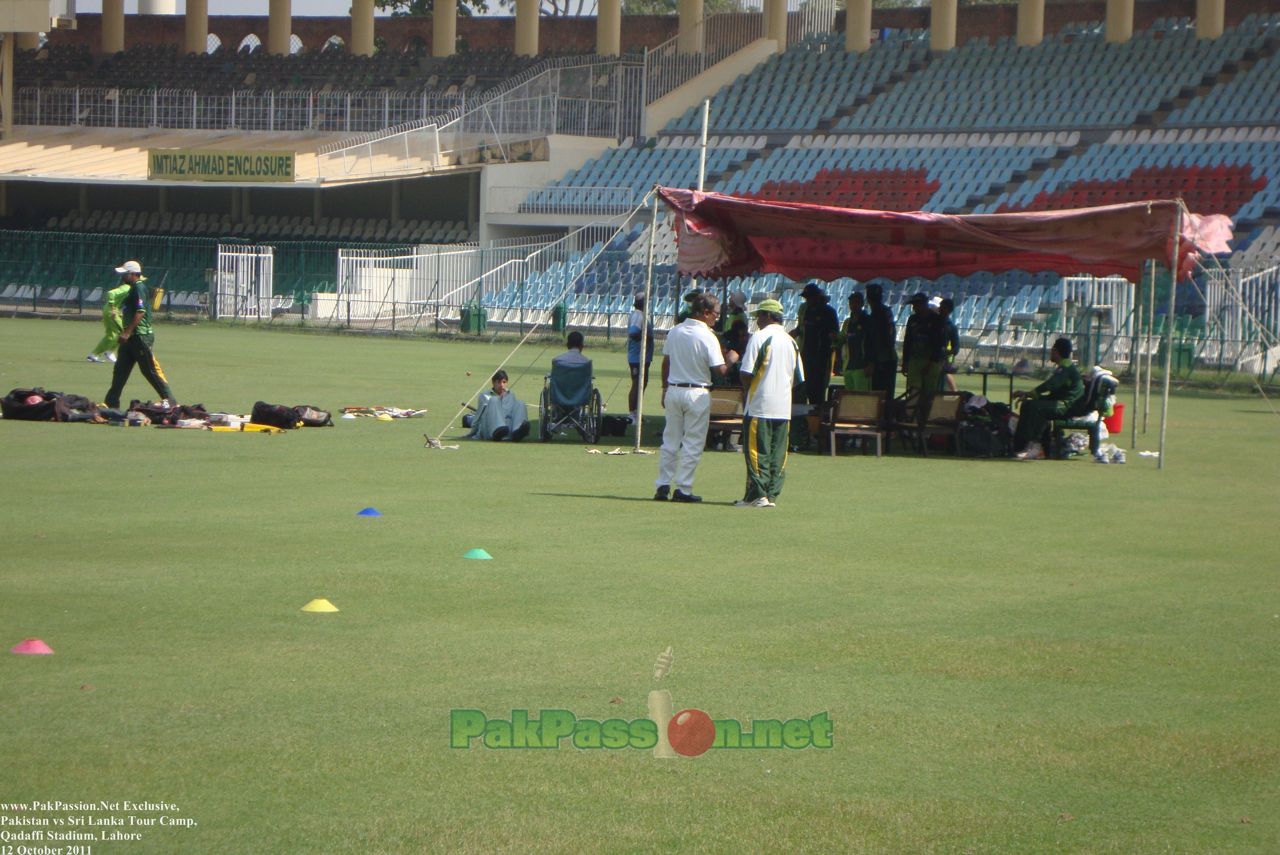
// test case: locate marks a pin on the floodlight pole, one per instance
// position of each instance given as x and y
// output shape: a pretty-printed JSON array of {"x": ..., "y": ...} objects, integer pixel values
[
  {"x": 1168, "y": 333},
  {"x": 702, "y": 169},
  {"x": 644, "y": 321}
]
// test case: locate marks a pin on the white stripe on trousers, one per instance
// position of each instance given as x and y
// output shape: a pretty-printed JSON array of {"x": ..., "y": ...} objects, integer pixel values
[{"x": 688, "y": 412}]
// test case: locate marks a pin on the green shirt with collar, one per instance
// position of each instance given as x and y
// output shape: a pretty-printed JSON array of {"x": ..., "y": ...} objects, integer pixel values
[{"x": 1064, "y": 384}]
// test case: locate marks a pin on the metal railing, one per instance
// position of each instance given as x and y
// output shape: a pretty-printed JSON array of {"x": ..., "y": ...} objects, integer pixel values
[
  {"x": 402, "y": 290},
  {"x": 340, "y": 111},
  {"x": 600, "y": 98},
  {"x": 511, "y": 85},
  {"x": 686, "y": 55}
]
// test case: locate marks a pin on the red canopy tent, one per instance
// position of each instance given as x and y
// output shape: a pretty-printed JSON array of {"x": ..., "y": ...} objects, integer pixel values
[{"x": 721, "y": 235}]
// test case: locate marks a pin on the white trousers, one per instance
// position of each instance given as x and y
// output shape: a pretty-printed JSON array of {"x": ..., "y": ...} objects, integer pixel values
[{"x": 688, "y": 411}]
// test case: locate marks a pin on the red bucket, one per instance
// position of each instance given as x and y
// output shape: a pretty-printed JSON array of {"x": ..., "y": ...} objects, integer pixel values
[{"x": 1115, "y": 421}]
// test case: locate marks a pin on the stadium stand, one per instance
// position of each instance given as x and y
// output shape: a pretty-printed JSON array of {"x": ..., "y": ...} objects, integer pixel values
[
  {"x": 271, "y": 228},
  {"x": 165, "y": 67}
]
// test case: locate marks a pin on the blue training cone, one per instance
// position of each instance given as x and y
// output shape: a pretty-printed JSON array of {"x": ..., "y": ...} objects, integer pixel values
[
  {"x": 478, "y": 554},
  {"x": 369, "y": 512}
]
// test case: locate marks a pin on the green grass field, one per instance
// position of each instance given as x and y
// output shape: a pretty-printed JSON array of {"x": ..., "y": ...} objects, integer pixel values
[{"x": 1018, "y": 657}]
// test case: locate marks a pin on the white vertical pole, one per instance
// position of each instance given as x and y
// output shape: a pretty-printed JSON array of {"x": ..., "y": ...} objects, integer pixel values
[
  {"x": 644, "y": 320},
  {"x": 1168, "y": 334}
]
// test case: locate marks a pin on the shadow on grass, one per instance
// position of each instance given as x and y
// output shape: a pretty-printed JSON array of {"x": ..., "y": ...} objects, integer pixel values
[{"x": 617, "y": 498}]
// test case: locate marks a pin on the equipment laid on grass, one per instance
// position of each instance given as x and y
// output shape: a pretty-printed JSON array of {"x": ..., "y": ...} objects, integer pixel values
[
  {"x": 379, "y": 412},
  {"x": 247, "y": 427},
  {"x": 37, "y": 405},
  {"x": 320, "y": 606},
  {"x": 31, "y": 647},
  {"x": 478, "y": 555}
]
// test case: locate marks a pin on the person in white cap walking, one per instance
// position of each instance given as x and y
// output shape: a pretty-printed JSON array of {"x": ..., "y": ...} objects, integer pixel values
[{"x": 137, "y": 339}]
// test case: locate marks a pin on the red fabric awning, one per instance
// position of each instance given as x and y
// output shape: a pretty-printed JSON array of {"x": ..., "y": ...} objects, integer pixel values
[{"x": 722, "y": 235}]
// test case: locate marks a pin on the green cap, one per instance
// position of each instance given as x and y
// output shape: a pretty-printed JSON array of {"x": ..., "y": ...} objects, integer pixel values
[{"x": 771, "y": 306}]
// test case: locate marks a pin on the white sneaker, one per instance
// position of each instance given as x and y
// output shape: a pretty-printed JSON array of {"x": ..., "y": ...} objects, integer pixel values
[
  {"x": 772, "y": 503},
  {"x": 92, "y": 358},
  {"x": 762, "y": 502},
  {"x": 1033, "y": 451},
  {"x": 110, "y": 357}
]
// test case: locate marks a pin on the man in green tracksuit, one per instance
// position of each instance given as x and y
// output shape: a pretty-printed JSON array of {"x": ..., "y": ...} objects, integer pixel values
[
  {"x": 1050, "y": 400},
  {"x": 852, "y": 344},
  {"x": 112, "y": 323},
  {"x": 136, "y": 339},
  {"x": 771, "y": 368}
]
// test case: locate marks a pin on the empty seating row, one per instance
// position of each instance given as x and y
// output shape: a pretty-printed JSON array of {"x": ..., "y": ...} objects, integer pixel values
[{"x": 265, "y": 228}]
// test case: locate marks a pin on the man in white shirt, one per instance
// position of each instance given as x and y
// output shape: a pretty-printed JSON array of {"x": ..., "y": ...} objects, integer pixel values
[
  {"x": 690, "y": 354},
  {"x": 770, "y": 367}
]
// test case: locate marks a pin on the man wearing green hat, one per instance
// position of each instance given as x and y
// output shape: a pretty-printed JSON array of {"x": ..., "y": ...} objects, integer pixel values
[
  {"x": 136, "y": 339},
  {"x": 771, "y": 367}
]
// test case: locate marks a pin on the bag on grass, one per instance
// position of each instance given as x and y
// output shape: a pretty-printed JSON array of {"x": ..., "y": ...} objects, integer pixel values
[
  {"x": 274, "y": 415},
  {"x": 20, "y": 404},
  {"x": 313, "y": 416},
  {"x": 614, "y": 425}
]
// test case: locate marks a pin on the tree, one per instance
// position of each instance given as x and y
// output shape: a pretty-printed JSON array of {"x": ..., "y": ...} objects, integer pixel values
[{"x": 424, "y": 8}]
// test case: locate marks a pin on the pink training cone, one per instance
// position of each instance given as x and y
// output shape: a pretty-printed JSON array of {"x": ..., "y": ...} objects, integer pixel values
[{"x": 32, "y": 647}]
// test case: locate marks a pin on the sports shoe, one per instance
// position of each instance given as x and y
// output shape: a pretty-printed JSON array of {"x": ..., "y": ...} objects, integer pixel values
[
  {"x": 762, "y": 502},
  {"x": 520, "y": 432},
  {"x": 500, "y": 433},
  {"x": 92, "y": 358},
  {"x": 772, "y": 503},
  {"x": 662, "y": 494},
  {"x": 110, "y": 357},
  {"x": 1033, "y": 451},
  {"x": 687, "y": 498}
]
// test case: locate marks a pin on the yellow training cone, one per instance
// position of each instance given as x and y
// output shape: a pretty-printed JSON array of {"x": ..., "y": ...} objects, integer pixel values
[{"x": 320, "y": 605}]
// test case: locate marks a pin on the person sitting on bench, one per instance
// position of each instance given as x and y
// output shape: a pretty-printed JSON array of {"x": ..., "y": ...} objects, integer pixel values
[
  {"x": 1051, "y": 400},
  {"x": 500, "y": 415}
]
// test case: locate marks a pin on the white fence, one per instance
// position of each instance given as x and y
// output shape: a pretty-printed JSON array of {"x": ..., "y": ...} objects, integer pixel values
[
  {"x": 243, "y": 283},
  {"x": 1242, "y": 318},
  {"x": 430, "y": 285},
  {"x": 717, "y": 37},
  {"x": 287, "y": 110},
  {"x": 599, "y": 98}
]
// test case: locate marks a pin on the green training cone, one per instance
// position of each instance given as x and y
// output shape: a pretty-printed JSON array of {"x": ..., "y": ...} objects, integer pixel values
[{"x": 478, "y": 554}]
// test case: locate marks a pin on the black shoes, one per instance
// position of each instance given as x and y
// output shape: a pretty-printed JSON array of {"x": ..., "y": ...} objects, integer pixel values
[
  {"x": 687, "y": 498},
  {"x": 500, "y": 433},
  {"x": 520, "y": 432},
  {"x": 662, "y": 494}
]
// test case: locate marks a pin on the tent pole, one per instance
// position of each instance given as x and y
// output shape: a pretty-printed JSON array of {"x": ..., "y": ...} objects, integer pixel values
[
  {"x": 1168, "y": 334},
  {"x": 1135, "y": 360},
  {"x": 644, "y": 321},
  {"x": 1151, "y": 356}
]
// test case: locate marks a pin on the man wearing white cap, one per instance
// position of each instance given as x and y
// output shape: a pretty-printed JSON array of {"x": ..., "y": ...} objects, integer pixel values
[
  {"x": 771, "y": 367},
  {"x": 136, "y": 339}
]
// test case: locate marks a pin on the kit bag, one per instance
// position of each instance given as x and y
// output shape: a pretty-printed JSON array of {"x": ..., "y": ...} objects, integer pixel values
[
  {"x": 313, "y": 416},
  {"x": 52, "y": 406},
  {"x": 274, "y": 415}
]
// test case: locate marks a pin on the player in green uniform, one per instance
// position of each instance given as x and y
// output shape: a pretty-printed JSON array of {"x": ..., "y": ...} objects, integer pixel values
[{"x": 137, "y": 339}]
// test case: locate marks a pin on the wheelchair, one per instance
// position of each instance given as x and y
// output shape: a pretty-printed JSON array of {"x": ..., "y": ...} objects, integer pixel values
[{"x": 570, "y": 400}]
